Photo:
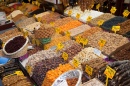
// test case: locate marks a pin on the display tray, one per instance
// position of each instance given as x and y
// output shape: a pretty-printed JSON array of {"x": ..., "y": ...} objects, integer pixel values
[
  {"x": 11, "y": 67},
  {"x": 112, "y": 55}
]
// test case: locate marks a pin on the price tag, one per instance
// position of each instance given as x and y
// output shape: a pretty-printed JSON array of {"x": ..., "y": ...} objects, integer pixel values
[
  {"x": 89, "y": 18},
  {"x": 39, "y": 19},
  {"x": 84, "y": 41},
  {"x": 126, "y": 13},
  {"x": 100, "y": 22},
  {"x": 53, "y": 9},
  {"x": 70, "y": 12},
  {"x": 75, "y": 63},
  {"x": 65, "y": 56},
  {"x": 26, "y": 14},
  {"x": 98, "y": 6},
  {"x": 78, "y": 16},
  {"x": 34, "y": 16},
  {"x": 58, "y": 30},
  {"x": 101, "y": 43},
  {"x": 36, "y": 2},
  {"x": 113, "y": 10},
  {"x": 25, "y": 34},
  {"x": 89, "y": 70},
  {"x": 33, "y": 41},
  {"x": 78, "y": 38},
  {"x": 115, "y": 28},
  {"x": 109, "y": 72},
  {"x": 60, "y": 46},
  {"x": 97, "y": 52},
  {"x": 19, "y": 73},
  {"x": 37, "y": 42},
  {"x": 68, "y": 33},
  {"x": 52, "y": 23},
  {"x": 29, "y": 69}
]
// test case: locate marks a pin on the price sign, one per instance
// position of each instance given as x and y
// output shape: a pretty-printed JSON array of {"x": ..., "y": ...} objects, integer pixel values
[
  {"x": 115, "y": 28},
  {"x": 53, "y": 9},
  {"x": 84, "y": 41},
  {"x": 29, "y": 69},
  {"x": 58, "y": 30},
  {"x": 126, "y": 13},
  {"x": 25, "y": 34},
  {"x": 113, "y": 10},
  {"x": 78, "y": 16},
  {"x": 109, "y": 72},
  {"x": 89, "y": 18},
  {"x": 60, "y": 46},
  {"x": 18, "y": 73},
  {"x": 75, "y": 63},
  {"x": 33, "y": 41},
  {"x": 89, "y": 70},
  {"x": 78, "y": 38},
  {"x": 52, "y": 23},
  {"x": 68, "y": 33},
  {"x": 100, "y": 22},
  {"x": 65, "y": 56},
  {"x": 37, "y": 42},
  {"x": 39, "y": 19},
  {"x": 70, "y": 12},
  {"x": 101, "y": 43},
  {"x": 98, "y": 6}
]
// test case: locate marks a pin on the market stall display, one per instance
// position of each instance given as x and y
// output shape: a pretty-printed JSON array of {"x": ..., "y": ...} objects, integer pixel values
[
  {"x": 15, "y": 13},
  {"x": 19, "y": 17},
  {"x": 42, "y": 14}
]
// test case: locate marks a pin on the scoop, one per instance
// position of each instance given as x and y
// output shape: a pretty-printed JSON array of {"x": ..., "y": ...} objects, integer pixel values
[{"x": 4, "y": 60}]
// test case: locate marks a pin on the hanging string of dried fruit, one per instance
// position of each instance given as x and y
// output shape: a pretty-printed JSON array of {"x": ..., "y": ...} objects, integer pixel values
[{"x": 85, "y": 4}]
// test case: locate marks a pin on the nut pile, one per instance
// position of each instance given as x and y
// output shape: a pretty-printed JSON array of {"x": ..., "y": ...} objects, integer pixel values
[
  {"x": 18, "y": 17},
  {"x": 70, "y": 25},
  {"x": 52, "y": 75},
  {"x": 42, "y": 14},
  {"x": 26, "y": 22},
  {"x": 85, "y": 4},
  {"x": 15, "y": 44},
  {"x": 44, "y": 32},
  {"x": 41, "y": 55},
  {"x": 85, "y": 55},
  {"x": 96, "y": 64},
  {"x": 104, "y": 17},
  {"x": 42, "y": 67},
  {"x": 63, "y": 21},
  {"x": 90, "y": 32},
  {"x": 48, "y": 18},
  {"x": 79, "y": 30},
  {"x": 72, "y": 81},
  {"x": 124, "y": 27},
  {"x": 16, "y": 80},
  {"x": 123, "y": 54},
  {"x": 55, "y": 41},
  {"x": 113, "y": 41},
  {"x": 107, "y": 25}
]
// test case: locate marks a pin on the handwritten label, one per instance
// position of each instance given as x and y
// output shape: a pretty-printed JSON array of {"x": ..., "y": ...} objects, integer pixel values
[
  {"x": 115, "y": 28},
  {"x": 58, "y": 30},
  {"x": 100, "y": 22},
  {"x": 101, "y": 43},
  {"x": 89, "y": 70},
  {"x": 113, "y": 10},
  {"x": 89, "y": 18},
  {"x": 18, "y": 73},
  {"x": 109, "y": 72},
  {"x": 60, "y": 46},
  {"x": 75, "y": 63},
  {"x": 65, "y": 56},
  {"x": 98, "y": 6},
  {"x": 68, "y": 33},
  {"x": 39, "y": 19},
  {"x": 126, "y": 13},
  {"x": 37, "y": 42},
  {"x": 70, "y": 12},
  {"x": 78, "y": 16},
  {"x": 53, "y": 9}
]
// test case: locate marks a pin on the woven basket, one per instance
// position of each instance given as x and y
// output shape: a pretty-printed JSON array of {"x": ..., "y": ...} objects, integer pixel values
[{"x": 20, "y": 52}]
